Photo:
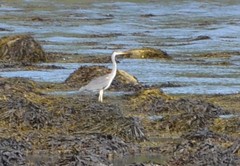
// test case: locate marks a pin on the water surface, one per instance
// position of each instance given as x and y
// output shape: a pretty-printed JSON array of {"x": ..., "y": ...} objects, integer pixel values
[{"x": 99, "y": 27}]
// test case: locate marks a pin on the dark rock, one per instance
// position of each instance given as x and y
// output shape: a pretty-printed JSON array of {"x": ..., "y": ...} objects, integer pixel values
[
  {"x": 147, "y": 15},
  {"x": 37, "y": 19},
  {"x": 170, "y": 84},
  {"x": 4, "y": 29},
  {"x": 202, "y": 38}
]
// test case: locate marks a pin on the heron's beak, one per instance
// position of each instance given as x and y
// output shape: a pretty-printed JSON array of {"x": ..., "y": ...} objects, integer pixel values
[{"x": 123, "y": 53}]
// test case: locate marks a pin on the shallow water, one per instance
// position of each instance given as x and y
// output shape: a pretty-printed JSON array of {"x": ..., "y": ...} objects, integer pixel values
[
  {"x": 98, "y": 27},
  {"x": 77, "y": 92},
  {"x": 143, "y": 158},
  {"x": 229, "y": 116},
  {"x": 191, "y": 78}
]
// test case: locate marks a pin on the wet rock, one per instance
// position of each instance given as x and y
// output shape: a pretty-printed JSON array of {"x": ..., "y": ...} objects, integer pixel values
[
  {"x": 126, "y": 82},
  {"x": 4, "y": 29},
  {"x": 147, "y": 15},
  {"x": 146, "y": 53},
  {"x": 21, "y": 48},
  {"x": 170, "y": 84},
  {"x": 122, "y": 82},
  {"x": 202, "y": 37},
  {"x": 107, "y": 35},
  {"x": 129, "y": 79},
  {"x": 12, "y": 152},
  {"x": 37, "y": 19}
]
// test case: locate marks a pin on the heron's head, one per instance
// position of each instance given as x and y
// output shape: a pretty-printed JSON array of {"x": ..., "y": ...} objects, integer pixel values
[{"x": 119, "y": 53}]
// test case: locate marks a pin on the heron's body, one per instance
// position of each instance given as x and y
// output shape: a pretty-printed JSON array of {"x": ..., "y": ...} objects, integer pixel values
[{"x": 103, "y": 82}]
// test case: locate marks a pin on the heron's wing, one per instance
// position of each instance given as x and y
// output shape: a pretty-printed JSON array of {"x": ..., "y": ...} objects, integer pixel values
[{"x": 97, "y": 83}]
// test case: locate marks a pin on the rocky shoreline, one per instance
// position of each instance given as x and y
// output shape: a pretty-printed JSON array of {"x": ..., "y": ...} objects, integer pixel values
[{"x": 77, "y": 130}]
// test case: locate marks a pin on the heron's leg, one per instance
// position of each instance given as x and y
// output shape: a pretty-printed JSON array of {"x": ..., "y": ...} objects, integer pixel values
[{"x": 100, "y": 98}]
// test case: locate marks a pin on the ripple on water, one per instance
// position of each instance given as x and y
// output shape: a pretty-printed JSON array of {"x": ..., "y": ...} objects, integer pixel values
[
  {"x": 193, "y": 79},
  {"x": 171, "y": 27}
]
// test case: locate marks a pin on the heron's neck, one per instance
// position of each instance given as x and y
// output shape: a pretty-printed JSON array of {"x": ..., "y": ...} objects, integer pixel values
[{"x": 114, "y": 67}]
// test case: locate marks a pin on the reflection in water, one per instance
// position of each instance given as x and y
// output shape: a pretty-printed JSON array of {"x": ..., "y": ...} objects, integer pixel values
[{"x": 143, "y": 158}]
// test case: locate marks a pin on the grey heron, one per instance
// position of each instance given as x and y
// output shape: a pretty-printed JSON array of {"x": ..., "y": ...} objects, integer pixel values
[{"x": 103, "y": 82}]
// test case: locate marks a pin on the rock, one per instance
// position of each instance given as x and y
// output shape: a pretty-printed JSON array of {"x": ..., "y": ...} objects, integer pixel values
[
  {"x": 202, "y": 37},
  {"x": 21, "y": 48},
  {"x": 147, "y": 15},
  {"x": 4, "y": 29},
  {"x": 37, "y": 19},
  {"x": 126, "y": 77},
  {"x": 146, "y": 53},
  {"x": 123, "y": 81}
]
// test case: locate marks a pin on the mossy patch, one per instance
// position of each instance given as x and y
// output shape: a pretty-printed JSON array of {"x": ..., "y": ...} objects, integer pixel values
[
  {"x": 228, "y": 126},
  {"x": 146, "y": 53},
  {"x": 21, "y": 48}
]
